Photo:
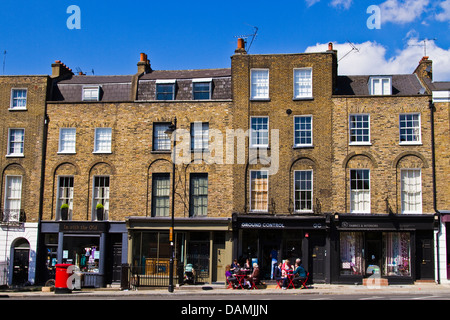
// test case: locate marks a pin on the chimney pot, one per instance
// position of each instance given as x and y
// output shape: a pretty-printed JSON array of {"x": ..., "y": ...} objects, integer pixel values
[
  {"x": 241, "y": 44},
  {"x": 143, "y": 58},
  {"x": 330, "y": 46}
]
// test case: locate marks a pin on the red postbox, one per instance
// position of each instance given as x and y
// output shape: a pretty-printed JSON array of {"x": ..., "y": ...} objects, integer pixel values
[{"x": 61, "y": 277}]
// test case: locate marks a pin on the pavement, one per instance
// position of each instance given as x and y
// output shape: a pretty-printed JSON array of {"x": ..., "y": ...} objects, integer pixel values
[{"x": 220, "y": 289}]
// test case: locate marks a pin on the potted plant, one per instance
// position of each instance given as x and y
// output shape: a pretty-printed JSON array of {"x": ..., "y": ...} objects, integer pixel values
[
  {"x": 100, "y": 209},
  {"x": 64, "y": 211}
]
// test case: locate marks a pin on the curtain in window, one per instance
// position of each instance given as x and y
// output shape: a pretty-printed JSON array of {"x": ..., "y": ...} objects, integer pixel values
[
  {"x": 13, "y": 197},
  {"x": 397, "y": 260},
  {"x": 103, "y": 140},
  {"x": 259, "y": 182},
  {"x": 411, "y": 191},
  {"x": 351, "y": 244}
]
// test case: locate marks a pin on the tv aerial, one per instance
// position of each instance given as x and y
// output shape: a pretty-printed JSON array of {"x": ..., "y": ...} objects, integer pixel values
[
  {"x": 246, "y": 36},
  {"x": 354, "y": 48},
  {"x": 424, "y": 45}
]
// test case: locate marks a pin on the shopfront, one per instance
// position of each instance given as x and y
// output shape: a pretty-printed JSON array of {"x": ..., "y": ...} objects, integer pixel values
[
  {"x": 261, "y": 237},
  {"x": 398, "y": 248},
  {"x": 203, "y": 242},
  {"x": 97, "y": 249}
]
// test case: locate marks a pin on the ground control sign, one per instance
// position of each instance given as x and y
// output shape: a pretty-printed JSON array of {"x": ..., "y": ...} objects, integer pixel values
[{"x": 312, "y": 223}]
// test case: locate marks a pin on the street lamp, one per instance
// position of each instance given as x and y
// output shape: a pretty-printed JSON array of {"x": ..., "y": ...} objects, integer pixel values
[{"x": 171, "y": 130}]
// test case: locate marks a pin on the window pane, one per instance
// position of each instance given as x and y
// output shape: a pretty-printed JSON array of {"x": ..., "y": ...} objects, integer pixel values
[
  {"x": 302, "y": 83},
  {"x": 16, "y": 140},
  {"x": 165, "y": 91},
  {"x": 359, "y": 128},
  {"x": 101, "y": 194},
  {"x": 201, "y": 90},
  {"x": 13, "y": 198},
  {"x": 67, "y": 140},
  {"x": 303, "y": 192},
  {"x": 410, "y": 128},
  {"x": 397, "y": 259},
  {"x": 259, "y": 84},
  {"x": 360, "y": 191},
  {"x": 102, "y": 140},
  {"x": 411, "y": 191},
  {"x": 259, "y": 131},
  {"x": 199, "y": 194},
  {"x": 19, "y": 98},
  {"x": 259, "y": 190},
  {"x": 351, "y": 251},
  {"x": 161, "y": 140},
  {"x": 199, "y": 136},
  {"x": 160, "y": 194},
  {"x": 303, "y": 130}
]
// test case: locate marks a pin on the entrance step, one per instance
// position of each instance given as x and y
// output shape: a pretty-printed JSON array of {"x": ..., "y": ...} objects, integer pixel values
[{"x": 375, "y": 282}]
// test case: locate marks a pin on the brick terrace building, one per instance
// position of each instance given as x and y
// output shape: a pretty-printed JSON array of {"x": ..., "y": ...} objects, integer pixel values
[
  {"x": 22, "y": 141},
  {"x": 107, "y": 144}
]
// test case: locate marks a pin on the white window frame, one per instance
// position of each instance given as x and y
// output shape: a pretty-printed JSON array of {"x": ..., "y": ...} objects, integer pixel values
[
  {"x": 311, "y": 190},
  {"x": 156, "y": 211},
  {"x": 202, "y": 81},
  {"x": 12, "y": 216},
  {"x": 11, "y": 105},
  {"x": 385, "y": 90},
  {"x": 193, "y": 196},
  {"x": 262, "y": 85},
  {"x": 304, "y": 83},
  {"x": 360, "y": 193},
  {"x": 252, "y": 209},
  {"x": 61, "y": 144},
  {"x": 200, "y": 136},
  {"x": 257, "y": 133},
  {"x": 355, "y": 143},
  {"x": 299, "y": 145},
  {"x": 62, "y": 199},
  {"x": 171, "y": 82},
  {"x": 14, "y": 154},
  {"x": 165, "y": 140},
  {"x": 419, "y": 129},
  {"x": 407, "y": 194},
  {"x": 95, "y": 198},
  {"x": 91, "y": 93},
  {"x": 97, "y": 141}
]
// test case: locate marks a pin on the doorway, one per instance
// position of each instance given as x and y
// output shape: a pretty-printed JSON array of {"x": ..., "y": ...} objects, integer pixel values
[
  {"x": 317, "y": 250},
  {"x": 424, "y": 255},
  {"x": 373, "y": 253},
  {"x": 21, "y": 259}
]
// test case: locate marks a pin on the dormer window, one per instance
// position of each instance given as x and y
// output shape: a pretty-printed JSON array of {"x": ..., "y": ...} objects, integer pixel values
[
  {"x": 165, "y": 89},
  {"x": 91, "y": 93},
  {"x": 201, "y": 88},
  {"x": 380, "y": 85}
]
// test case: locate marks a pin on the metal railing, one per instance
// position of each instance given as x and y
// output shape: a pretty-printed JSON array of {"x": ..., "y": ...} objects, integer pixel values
[
  {"x": 12, "y": 216},
  {"x": 150, "y": 276}
]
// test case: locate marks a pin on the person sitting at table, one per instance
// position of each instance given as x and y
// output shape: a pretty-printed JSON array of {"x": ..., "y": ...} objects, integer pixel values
[
  {"x": 299, "y": 272},
  {"x": 285, "y": 270},
  {"x": 247, "y": 265},
  {"x": 254, "y": 277},
  {"x": 235, "y": 266},
  {"x": 230, "y": 277},
  {"x": 277, "y": 271}
]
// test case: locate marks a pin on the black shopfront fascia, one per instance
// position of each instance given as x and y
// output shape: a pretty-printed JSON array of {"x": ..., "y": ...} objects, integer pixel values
[{"x": 417, "y": 225}]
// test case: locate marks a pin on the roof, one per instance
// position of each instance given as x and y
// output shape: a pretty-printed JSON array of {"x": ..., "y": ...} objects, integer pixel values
[
  {"x": 402, "y": 85},
  {"x": 187, "y": 74}
]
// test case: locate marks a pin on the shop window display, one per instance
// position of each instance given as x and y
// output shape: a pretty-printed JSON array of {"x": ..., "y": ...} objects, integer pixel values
[
  {"x": 84, "y": 252},
  {"x": 396, "y": 251},
  {"x": 352, "y": 262}
]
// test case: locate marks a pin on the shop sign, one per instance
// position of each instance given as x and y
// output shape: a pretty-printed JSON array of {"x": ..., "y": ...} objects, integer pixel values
[
  {"x": 81, "y": 227},
  {"x": 359, "y": 225},
  {"x": 286, "y": 224},
  {"x": 266, "y": 225}
]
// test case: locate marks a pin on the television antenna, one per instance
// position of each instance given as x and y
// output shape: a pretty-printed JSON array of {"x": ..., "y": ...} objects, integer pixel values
[
  {"x": 354, "y": 48},
  {"x": 246, "y": 36},
  {"x": 424, "y": 45}
]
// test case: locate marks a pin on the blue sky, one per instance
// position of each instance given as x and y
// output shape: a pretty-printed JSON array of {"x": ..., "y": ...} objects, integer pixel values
[{"x": 202, "y": 34}]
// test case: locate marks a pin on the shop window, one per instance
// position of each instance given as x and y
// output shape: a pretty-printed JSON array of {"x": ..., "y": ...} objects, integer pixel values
[
  {"x": 84, "y": 252},
  {"x": 351, "y": 247},
  {"x": 397, "y": 259}
]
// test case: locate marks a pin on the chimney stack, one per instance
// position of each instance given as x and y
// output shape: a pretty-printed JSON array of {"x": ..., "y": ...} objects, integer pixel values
[
  {"x": 240, "y": 47},
  {"x": 425, "y": 68},
  {"x": 144, "y": 64},
  {"x": 60, "y": 69}
]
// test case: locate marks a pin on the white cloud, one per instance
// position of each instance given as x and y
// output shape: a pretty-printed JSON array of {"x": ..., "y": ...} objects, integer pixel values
[
  {"x": 445, "y": 14},
  {"x": 342, "y": 3},
  {"x": 402, "y": 11},
  {"x": 371, "y": 59},
  {"x": 311, "y": 2}
]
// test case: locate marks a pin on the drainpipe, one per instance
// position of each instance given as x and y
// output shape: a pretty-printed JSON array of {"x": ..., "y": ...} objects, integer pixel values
[{"x": 433, "y": 166}]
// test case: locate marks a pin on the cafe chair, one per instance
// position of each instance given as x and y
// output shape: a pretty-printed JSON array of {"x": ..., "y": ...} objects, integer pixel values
[{"x": 303, "y": 282}]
